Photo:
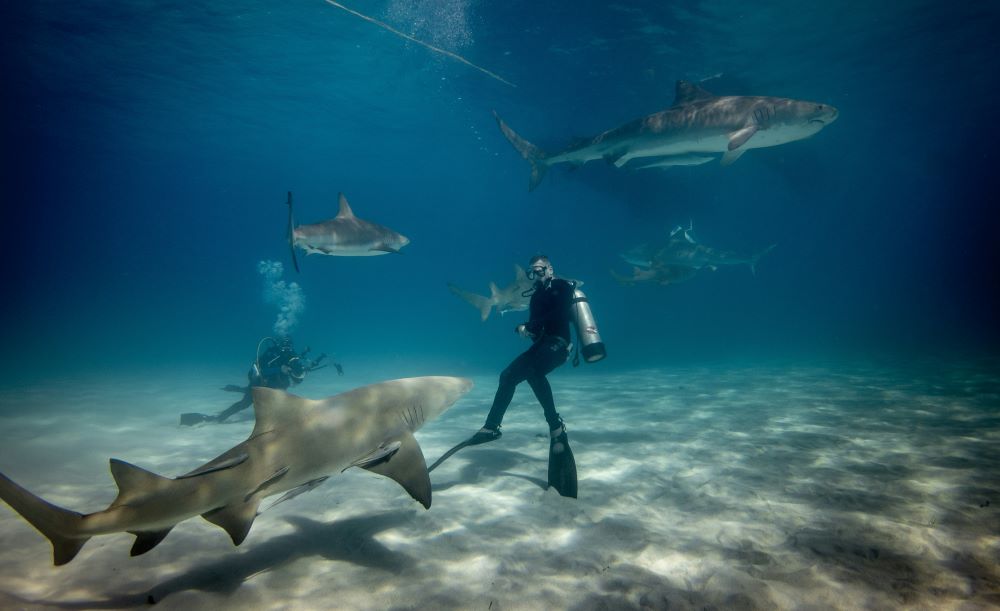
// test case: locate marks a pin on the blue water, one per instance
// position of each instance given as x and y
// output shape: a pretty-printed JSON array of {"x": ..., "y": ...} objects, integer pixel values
[{"x": 148, "y": 148}]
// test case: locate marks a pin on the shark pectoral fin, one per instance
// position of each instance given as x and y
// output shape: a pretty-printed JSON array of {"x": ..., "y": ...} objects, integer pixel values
[
  {"x": 280, "y": 473},
  {"x": 380, "y": 454},
  {"x": 730, "y": 157},
  {"x": 147, "y": 540},
  {"x": 219, "y": 464},
  {"x": 408, "y": 468},
  {"x": 236, "y": 519},
  {"x": 739, "y": 137}
]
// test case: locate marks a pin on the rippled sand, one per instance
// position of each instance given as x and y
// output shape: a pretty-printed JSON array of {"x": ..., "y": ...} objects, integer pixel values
[{"x": 826, "y": 487}]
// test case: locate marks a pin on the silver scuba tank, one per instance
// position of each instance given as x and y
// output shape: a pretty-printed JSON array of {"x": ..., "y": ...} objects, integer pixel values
[{"x": 586, "y": 329}]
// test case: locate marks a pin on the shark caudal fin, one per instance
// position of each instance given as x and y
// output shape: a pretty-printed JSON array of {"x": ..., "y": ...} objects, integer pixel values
[
  {"x": 291, "y": 232},
  {"x": 756, "y": 258},
  {"x": 59, "y": 525},
  {"x": 483, "y": 304},
  {"x": 534, "y": 155}
]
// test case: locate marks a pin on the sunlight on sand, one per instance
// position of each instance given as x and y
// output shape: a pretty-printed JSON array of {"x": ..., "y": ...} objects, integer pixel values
[{"x": 757, "y": 488}]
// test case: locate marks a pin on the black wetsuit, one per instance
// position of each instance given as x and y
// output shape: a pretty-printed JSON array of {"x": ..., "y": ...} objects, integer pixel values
[{"x": 551, "y": 313}]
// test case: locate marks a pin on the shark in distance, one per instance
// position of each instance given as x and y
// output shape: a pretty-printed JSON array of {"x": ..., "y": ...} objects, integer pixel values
[{"x": 345, "y": 235}]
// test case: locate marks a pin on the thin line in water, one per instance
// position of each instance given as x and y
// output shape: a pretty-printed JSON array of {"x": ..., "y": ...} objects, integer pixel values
[{"x": 420, "y": 42}]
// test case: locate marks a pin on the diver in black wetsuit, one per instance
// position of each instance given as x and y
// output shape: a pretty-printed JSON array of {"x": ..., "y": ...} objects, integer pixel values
[
  {"x": 278, "y": 367},
  {"x": 548, "y": 328}
]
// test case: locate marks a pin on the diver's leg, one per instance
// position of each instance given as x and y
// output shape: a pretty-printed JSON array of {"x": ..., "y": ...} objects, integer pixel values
[
  {"x": 239, "y": 406},
  {"x": 543, "y": 392},
  {"x": 515, "y": 373}
]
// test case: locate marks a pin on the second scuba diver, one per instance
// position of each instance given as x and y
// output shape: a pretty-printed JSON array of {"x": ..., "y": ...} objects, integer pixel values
[{"x": 278, "y": 367}]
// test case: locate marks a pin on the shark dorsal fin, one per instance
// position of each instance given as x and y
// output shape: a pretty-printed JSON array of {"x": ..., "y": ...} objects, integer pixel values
[
  {"x": 408, "y": 467},
  {"x": 687, "y": 92},
  {"x": 134, "y": 481},
  {"x": 519, "y": 276},
  {"x": 277, "y": 409},
  {"x": 345, "y": 208}
]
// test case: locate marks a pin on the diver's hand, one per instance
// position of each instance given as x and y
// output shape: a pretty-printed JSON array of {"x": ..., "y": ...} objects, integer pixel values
[{"x": 522, "y": 330}]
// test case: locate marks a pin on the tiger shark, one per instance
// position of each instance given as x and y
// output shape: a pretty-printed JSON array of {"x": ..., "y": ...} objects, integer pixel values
[
  {"x": 296, "y": 443},
  {"x": 698, "y": 124},
  {"x": 344, "y": 235}
]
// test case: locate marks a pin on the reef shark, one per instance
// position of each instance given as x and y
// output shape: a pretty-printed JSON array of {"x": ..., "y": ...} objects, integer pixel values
[
  {"x": 681, "y": 249},
  {"x": 508, "y": 299},
  {"x": 697, "y": 124},
  {"x": 344, "y": 235},
  {"x": 513, "y": 297},
  {"x": 295, "y": 444}
]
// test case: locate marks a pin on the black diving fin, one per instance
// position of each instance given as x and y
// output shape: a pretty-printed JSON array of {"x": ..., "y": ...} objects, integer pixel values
[
  {"x": 484, "y": 435},
  {"x": 192, "y": 418},
  {"x": 562, "y": 466}
]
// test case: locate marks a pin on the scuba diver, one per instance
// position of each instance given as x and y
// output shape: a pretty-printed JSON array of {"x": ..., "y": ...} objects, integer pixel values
[
  {"x": 278, "y": 367},
  {"x": 555, "y": 303}
]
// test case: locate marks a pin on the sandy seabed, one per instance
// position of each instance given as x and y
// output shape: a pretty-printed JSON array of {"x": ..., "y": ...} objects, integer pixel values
[{"x": 823, "y": 487}]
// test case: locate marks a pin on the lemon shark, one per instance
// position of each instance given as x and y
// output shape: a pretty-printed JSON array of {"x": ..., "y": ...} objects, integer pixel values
[
  {"x": 345, "y": 235},
  {"x": 296, "y": 443},
  {"x": 696, "y": 126}
]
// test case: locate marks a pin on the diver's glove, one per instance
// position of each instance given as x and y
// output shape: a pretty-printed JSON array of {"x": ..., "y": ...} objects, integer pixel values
[{"x": 523, "y": 331}]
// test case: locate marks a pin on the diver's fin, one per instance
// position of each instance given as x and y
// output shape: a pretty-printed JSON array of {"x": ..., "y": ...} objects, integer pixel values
[
  {"x": 193, "y": 418},
  {"x": 147, "y": 540},
  {"x": 291, "y": 233},
  {"x": 562, "y": 467},
  {"x": 449, "y": 454},
  {"x": 406, "y": 465}
]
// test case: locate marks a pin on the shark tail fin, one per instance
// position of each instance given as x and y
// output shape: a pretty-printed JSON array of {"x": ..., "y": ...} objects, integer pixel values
[
  {"x": 59, "y": 525},
  {"x": 483, "y": 304},
  {"x": 534, "y": 155},
  {"x": 756, "y": 258},
  {"x": 291, "y": 232}
]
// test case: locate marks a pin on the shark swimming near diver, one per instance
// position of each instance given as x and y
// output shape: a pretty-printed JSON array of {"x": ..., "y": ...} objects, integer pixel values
[
  {"x": 344, "y": 235},
  {"x": 296, "y": 444},
  {"x": 696, "y": 126},
  {"x": 514, "y": 297},
  {"x": 511, "y": 298}
]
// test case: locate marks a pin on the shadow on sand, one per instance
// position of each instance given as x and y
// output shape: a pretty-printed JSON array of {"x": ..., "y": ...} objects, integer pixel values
[{"x": 351, "y": 540}]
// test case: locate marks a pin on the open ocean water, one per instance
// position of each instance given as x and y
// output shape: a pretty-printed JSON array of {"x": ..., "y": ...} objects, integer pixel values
[{"x": 820, "y": 432}]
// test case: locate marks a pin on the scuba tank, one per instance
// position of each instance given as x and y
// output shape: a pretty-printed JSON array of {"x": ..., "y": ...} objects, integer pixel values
[{"x": 586, "y": 329}]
